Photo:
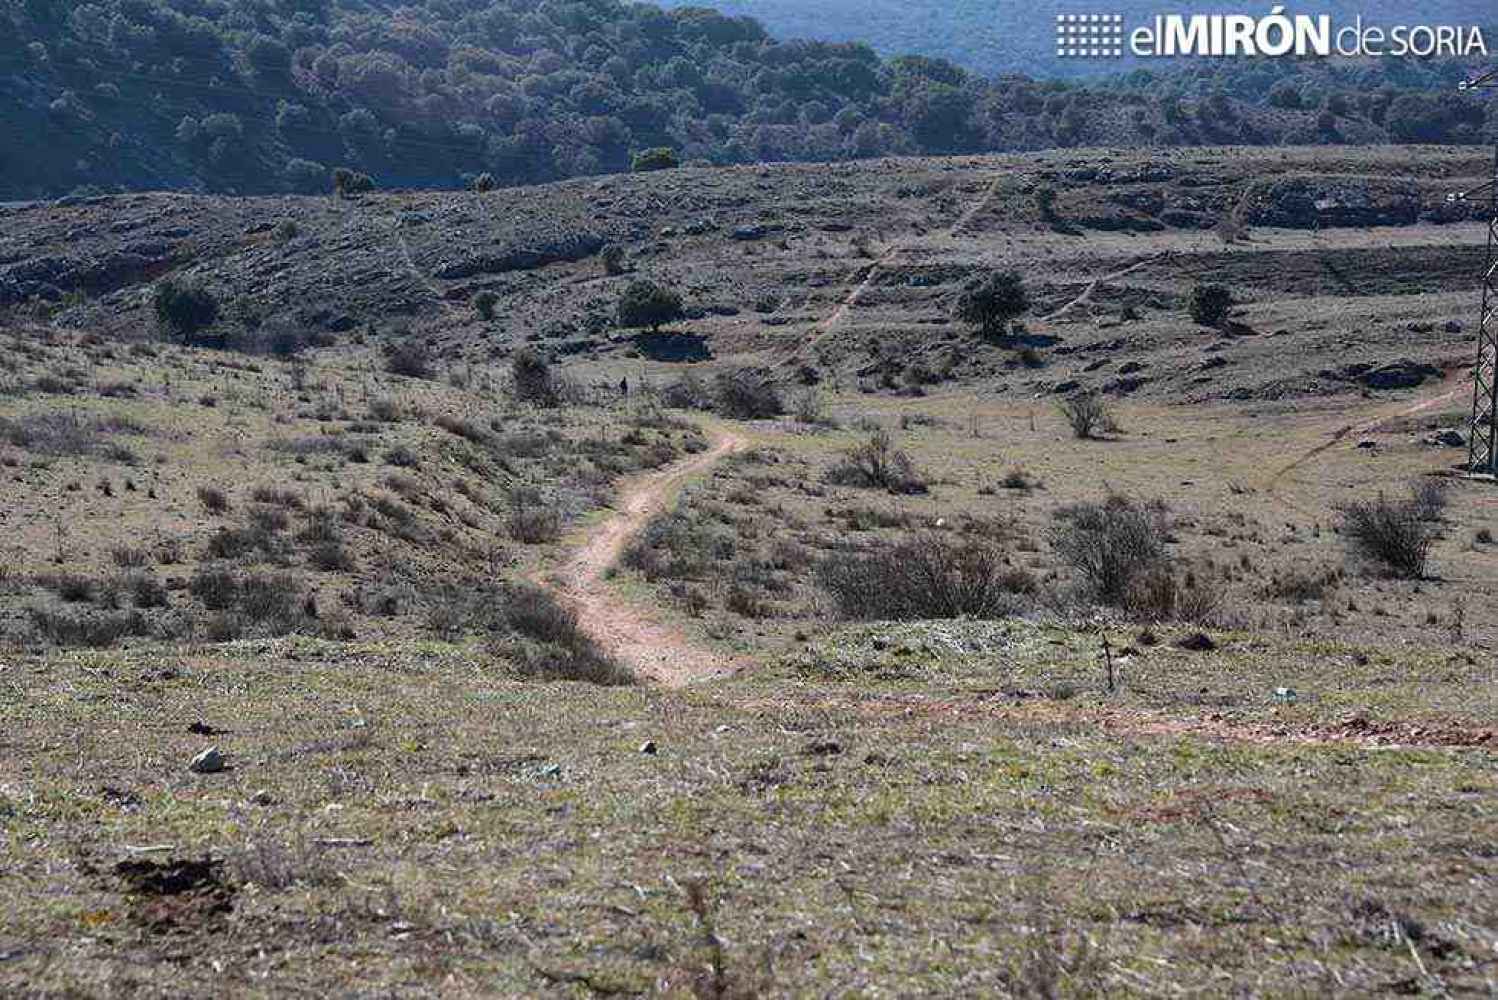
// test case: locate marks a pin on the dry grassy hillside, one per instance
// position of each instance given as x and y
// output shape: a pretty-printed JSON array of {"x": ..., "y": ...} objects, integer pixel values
[{"x": 834, "y": 657}]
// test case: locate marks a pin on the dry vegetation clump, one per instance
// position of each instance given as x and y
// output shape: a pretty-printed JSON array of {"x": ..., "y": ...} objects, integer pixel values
[
  {"x": 925, "y": 576},
  {"x": 1110, "y": 544},
  {"x": 746, "y": 394},
  {"x": 1396, "y": 534},
  {"x": 877, "y": 464},
  {"x": 526, "y": 626},
  {"x": 1088, "y": 415}
]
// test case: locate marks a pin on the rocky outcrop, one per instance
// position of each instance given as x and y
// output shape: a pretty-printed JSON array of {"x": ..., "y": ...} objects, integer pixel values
[{"x": 569, "y": 247}]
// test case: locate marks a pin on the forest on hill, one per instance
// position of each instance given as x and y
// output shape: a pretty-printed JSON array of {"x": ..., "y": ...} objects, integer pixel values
[
  {"x": 255, "y": 96},
  {"x": 997, "y": 37}
]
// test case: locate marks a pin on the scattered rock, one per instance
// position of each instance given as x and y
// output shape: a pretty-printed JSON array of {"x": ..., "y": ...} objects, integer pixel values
[
  {"x": 1197, "y": 642},
  {"x": 1402, "y": 374},
  {"x": 648, "y": 747},
  {"x": 263, "y": 798},
  {"x": 1447, "y": 438},
  {"x": 210, "y": 761},
  {"x": 824, "y": 748},
  {"x": 202, "y": 729}
]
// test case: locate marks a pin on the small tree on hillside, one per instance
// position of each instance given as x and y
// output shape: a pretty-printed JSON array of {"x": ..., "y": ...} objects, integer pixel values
[
  {"x": 990, "y": 303},
  {"x": 484, "y": 304},
  {"x": 645, "y": 303},
  {"x": 348, "y": 182},
  {"x": 484, "y": 183},
  {"x": 1210, "y": 304},
  {"x": 1045, "y": 201},
  {"x": 659, "y": 158},
  {"x": 184, "y": 309},
  {"x": 534, "y": 382},
  {"x": 613, "y": 259}
]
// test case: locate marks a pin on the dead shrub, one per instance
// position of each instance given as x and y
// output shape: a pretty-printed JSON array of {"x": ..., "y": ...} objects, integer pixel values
[
  {"x": 1397, "y": 534},
  {"x": 1088, "y": 415},
  {"x": 877, "y": 464},
  {"x": 534, "y": 525},
  {"x": 88, "y": 628},
  {"x": 746, "y": 395},
  {"x": 929, "y": 576},
  {"x": 214, "y": 500},
  {"x": 1110, "y": 543}
]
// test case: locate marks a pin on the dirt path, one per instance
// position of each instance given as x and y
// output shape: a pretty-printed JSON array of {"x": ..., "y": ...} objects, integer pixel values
[
  {"x": 1093, "y": 285},
  {"x": 1464, "y": 386},
  {"x": 634, "y": 634}
]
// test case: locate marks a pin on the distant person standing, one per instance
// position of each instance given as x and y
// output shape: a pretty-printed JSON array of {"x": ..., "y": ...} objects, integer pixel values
[{"x": 624, "y": 386}]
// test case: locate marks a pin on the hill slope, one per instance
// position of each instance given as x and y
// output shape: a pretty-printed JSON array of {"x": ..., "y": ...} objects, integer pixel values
[
  {"x": 1011, "y": 37},
  {"x": 255, "y": 98}
]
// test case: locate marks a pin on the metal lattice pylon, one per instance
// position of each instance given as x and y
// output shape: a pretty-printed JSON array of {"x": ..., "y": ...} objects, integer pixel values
[{"x": 1482, "y": 440}]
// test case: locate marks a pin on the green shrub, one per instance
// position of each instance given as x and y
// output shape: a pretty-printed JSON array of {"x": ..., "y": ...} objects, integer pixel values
[
  {"x": 613, "y": 259},
  {"x": 1209, "y": 304},
  {"x": 183, "y": 309},
  {"x": 484, "y": 303},
  {"x": 532, "y": 377},
  {"x": 648, "y": 304},
  {"x": 990, "y": 303},
  {"x": 658, "y": 158},
  {"x": 349, "y": 182}
]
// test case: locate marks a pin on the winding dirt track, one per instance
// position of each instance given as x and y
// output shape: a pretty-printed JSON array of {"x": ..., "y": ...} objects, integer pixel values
[{"x": 635, "y": 635}]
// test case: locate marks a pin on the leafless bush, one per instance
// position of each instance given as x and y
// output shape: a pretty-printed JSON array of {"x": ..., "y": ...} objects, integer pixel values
[
  {"x": 1395, "y": 533},
  {"x": 527, "y": 626},
  {"x": 1429, "y": 497},
  {"x": 87, "y": 627},
  {"x": 276, "y": 497},
  {"x": 811, "y": 409},
  {"x": 385, "y": 410},
  {"x": 929, "y": 576},
  {"x": 216, "y": 587},
  {"x": 130, "y": 556},
  {"x": 1158, "y": 594},
  {"x": 746, "y": 395},
  {"x": 1088, "y": 415},
  {"x": 534, "y": 525},
  {"x": 331, "y": 557},
  {"x": 214, "y": 500},
  {"x": 687, "y": 393},
  {"x": 411, "y": 358},
  {"x": 1301, "y": 583},
  {"x": 145, "y": 590},
  {"x": 1110, "y": 543},
  {"x": 877, "y": 464}
]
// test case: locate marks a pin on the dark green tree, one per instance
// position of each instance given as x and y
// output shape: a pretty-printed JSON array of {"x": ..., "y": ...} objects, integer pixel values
[
  {"x": 1209, "y": 304},
  {"x": 989, "y": 303},
  {"x": 184, "y": 309},
  {"x": 646, "y": 303}
]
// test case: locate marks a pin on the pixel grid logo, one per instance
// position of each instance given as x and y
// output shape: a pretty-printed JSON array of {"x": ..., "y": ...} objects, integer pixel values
[{"x": 1089, "y": 35}]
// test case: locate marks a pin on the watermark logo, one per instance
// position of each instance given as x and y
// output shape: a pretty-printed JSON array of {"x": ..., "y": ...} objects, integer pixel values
[
  {"x": 1274, "y": 34},
  {"x": 1089, "y": 35}
]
